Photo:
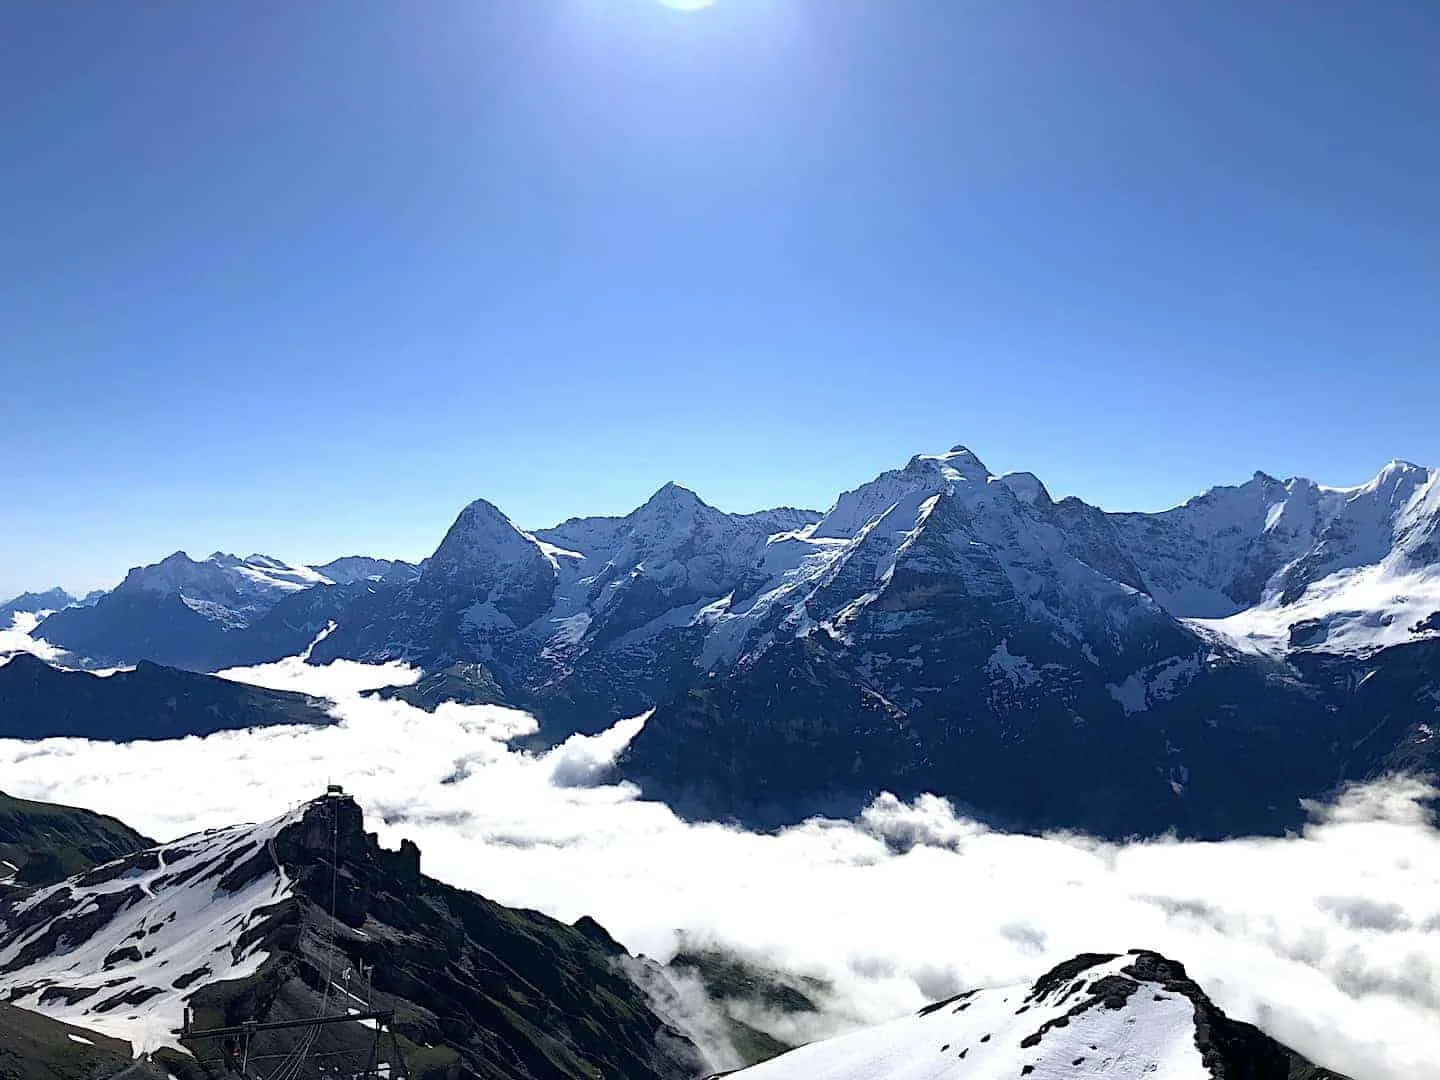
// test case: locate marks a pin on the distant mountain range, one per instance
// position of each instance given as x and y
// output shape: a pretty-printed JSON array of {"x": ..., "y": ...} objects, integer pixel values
[
  {"x": 939, "y": 628},
  {"x": 191, "y": 613},
  {"x": 33, "y": 603},
  {"x": 38, "y": 701}
]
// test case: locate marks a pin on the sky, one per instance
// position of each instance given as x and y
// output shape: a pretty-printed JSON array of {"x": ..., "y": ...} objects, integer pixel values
[
  {"x": 307, "y": 278},
  {"x": 1328, "y": 940}
]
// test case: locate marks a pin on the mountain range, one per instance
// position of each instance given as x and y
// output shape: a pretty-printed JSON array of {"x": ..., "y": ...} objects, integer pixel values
[
  {"x": 188, "y": 613},
  {"x": 50, "y": 600},
  {"x": 1043, "y": 662}
]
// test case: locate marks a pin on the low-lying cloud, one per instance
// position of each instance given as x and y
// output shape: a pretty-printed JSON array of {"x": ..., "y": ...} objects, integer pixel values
[
  {"x": 1329, "y": 940},
  {"x": 19, "y": 637}
]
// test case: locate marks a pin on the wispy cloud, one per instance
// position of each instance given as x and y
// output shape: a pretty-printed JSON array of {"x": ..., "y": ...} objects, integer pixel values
[{"x": 1330, "y": 940}]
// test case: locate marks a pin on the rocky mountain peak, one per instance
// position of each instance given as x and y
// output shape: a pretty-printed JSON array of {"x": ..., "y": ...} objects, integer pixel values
[
  {"x": 1398, "y": 480},
  {"x": 332, "y": 824},
  {"x": 671, "y": 493},
  {"x": 479, "y": 545},
  {"x": 957, "y": 463},
  {"x": 1027, "y": 487},
  {"x": 671, "y": 505},
  {"x": 482, "y": 516}
]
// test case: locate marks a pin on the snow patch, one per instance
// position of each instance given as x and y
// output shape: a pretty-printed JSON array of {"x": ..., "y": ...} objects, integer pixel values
[
  {"x": 167, "y": 921},
  {"x": 1353, "y": 612},
  {"x": 1017, "y": 669},
  {"x": 1152, "y": 685}
]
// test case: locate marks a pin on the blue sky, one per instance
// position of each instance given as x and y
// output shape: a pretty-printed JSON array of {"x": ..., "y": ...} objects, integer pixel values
[{"x": 306, "y": 278}]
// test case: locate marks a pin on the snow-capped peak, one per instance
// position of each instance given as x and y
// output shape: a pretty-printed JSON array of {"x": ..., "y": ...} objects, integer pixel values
[
  {"x": 1027, "y": 488},
  {"x": 673, "y": 494},
  {"x": 1362, "y": 574},
  {"x": 958, "y": 463},
  {"x": 177, "y": 571},
  {"x": 924, "y": 475},
  {"x": 1401, "y": 467},
  {"x": 671, "y": 511},
  {"x": 1132, "y": 1017},
  {"x": 223, "y": 587},
  {"x": 481, "y": 548},
  {"x": 349, "y": 569}
]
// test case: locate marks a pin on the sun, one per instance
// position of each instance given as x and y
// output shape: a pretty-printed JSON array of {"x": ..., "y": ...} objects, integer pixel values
[{"x": 687, "y": 5}]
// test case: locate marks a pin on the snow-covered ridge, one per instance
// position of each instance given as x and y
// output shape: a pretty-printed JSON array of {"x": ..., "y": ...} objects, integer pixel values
[
  {"x": 892, "y": 553},
  {"x": 1275, "y": 566},
  {"x": 120, "y": 947},
  {"x": 223, "y": 587},
  {"x": 234, "y": 591},
  {"x": 257, "y": 573},
  {"x": 350, "y": 569},
  {"x": 1132, "y": 1017}
]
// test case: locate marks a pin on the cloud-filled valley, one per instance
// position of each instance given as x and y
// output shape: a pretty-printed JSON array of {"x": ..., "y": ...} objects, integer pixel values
[{"x": 1330, "y": 940}]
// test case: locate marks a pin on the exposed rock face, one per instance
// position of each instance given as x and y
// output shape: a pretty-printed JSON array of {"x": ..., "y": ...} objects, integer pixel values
[{"x": 487, "y": 562}]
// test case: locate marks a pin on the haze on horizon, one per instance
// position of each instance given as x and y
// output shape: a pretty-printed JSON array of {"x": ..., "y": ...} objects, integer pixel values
[{"x": 268, "y": 287}]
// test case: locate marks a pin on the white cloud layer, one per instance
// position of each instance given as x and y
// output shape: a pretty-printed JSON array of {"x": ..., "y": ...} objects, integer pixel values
[
  {"x": 17, "y": 638},
  {"x": 1330, "y": 941}
]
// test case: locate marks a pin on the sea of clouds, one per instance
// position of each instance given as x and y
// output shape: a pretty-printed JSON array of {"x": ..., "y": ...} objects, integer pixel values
[{"x": 1330, "y": 941}]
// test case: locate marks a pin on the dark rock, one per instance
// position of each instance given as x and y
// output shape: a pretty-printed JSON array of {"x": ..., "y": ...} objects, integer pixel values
[{"x": 38, "y": 701}]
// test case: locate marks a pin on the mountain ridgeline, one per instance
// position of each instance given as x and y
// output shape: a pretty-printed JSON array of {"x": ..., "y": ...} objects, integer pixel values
[
  {"x": 41, "y": 843},
  {"x": 38, "y": 701},
  {"x": 939, "y": 628}
]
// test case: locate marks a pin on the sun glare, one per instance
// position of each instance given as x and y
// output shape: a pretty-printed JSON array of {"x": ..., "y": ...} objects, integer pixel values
[{"x": 687, "y": 5}]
